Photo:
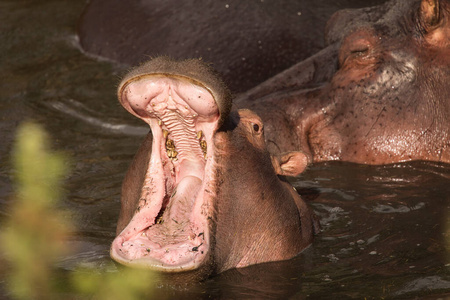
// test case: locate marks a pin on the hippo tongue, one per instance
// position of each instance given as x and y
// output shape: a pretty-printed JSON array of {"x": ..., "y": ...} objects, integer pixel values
[
  {"x": 182, "y": 200},
  {"x": 169, "y": 230}
]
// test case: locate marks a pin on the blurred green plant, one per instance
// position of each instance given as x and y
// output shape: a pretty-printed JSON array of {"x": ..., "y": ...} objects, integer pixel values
[
  {"x": 126, "y": 284},
  {"x": 34, "y": 237}
]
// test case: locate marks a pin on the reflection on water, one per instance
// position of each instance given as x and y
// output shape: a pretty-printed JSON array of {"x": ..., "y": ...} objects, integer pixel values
[{"x": 383, "y": 227}]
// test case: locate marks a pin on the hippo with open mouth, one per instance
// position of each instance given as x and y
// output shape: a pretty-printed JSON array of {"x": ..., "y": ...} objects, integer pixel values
[{"x": 202, "y": 195}]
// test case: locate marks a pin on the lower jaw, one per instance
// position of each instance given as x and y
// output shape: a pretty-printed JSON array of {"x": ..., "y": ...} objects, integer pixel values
[
  {"x": 153, "y": 249},
  {"x": 161, "y": 266},
  {"x": 173, "y": 236},
  {"x": 178, "y": 242}
]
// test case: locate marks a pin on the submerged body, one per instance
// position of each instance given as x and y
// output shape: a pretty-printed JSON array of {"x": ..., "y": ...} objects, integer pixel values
[{"x": 202, "y": 195}]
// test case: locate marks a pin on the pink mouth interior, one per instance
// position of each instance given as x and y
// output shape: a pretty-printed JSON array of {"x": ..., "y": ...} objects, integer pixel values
[{"x": 169, "y": 230}]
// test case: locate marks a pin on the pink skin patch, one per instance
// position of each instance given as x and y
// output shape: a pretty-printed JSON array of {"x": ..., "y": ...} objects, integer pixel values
[{"x": 169, "y": 231}]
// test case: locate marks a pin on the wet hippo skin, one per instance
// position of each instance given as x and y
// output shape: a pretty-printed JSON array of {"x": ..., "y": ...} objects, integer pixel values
[
  {"x": 246, "y": 41},
  {"x": 377, "y": 93},
  {"x": 385, "y": 96},
  {"x": 201, "y": 195}
]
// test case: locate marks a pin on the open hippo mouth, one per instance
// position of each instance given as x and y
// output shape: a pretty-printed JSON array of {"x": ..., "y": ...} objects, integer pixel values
[{"x": 170, "y": 229}]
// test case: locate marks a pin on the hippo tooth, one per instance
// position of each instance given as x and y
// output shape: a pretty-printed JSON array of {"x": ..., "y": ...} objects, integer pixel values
[
  {"x": 174, "y": 154},
  {"x": 199, "y": 135},
  {"x": 203, "y": 145},
  {"x": 170, "y": 144}
]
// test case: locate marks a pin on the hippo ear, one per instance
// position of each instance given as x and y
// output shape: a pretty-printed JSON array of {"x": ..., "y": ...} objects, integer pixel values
[
  {"x": 290, "y": 163},
  {"x": 429, "y": 14}
]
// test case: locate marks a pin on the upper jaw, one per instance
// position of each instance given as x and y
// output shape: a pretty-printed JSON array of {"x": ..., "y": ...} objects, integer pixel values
[
  {"x": 192, "y": 70},
  {"x": 170, "y": 230}
]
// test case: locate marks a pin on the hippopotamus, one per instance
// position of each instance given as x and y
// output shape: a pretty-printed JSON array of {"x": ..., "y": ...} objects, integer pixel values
[
  {"x": 246, "y": 41},
  {"x": 378, "y": 93},
  {"x": 203, "y": 194}
]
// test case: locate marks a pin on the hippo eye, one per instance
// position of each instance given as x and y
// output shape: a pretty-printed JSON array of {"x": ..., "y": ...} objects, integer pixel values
[
  {"x": 357, "y": 51},
  {"x": 359, "y": 48},
  {"x": 362, "y": 50}
]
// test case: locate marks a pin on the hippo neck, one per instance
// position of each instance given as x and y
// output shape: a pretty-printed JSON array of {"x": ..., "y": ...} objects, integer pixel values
[{"x": 252, "y": 226}]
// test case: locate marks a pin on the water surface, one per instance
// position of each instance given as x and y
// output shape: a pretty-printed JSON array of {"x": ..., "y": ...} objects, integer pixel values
[{"x": 383, "y": 227}]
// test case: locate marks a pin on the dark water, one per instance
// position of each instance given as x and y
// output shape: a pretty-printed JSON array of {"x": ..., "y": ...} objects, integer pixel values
[{"x": 384, "y": 228}]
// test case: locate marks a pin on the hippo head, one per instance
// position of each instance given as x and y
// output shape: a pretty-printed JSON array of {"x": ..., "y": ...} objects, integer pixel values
[
  {"x": 202, "y": 195},
  {"x": 389, "y": 97}
]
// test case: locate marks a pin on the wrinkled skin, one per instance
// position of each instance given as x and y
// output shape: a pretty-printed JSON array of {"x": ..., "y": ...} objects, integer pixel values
[
  {"x": 202, "y": 194},
  {"x": 246, "y": 41},
  {"x": 379, "y": 93}
]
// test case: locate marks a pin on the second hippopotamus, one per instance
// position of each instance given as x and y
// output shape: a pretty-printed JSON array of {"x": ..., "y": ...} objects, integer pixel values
[{"x": 379, "y": 93}]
